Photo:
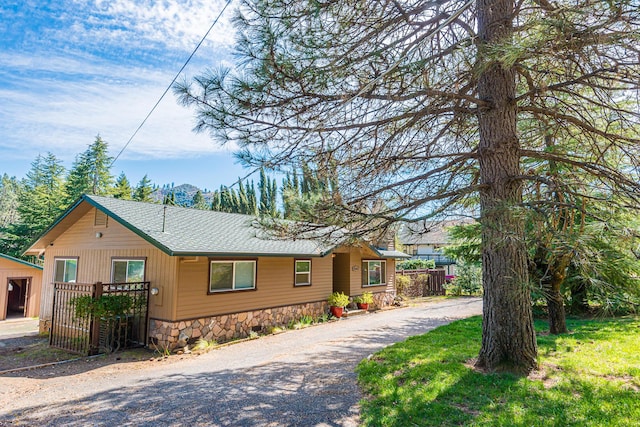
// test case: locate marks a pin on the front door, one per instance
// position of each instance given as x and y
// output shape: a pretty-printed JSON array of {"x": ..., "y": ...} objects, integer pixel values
[{"x": 18, "y": 296}]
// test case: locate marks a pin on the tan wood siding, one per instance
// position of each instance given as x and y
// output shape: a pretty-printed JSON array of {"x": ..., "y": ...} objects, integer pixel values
[
  {"x": 341, "y": 273},
  {"x": 274, "y": 287},
  {"x": 94, "y": 261},
  {"x": 356, "y": 257},
  {"x": 12, "y": 269},
  {"x": 82, "y": 235}
]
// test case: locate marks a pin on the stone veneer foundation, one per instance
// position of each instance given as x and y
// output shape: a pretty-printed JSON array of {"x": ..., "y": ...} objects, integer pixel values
[
  {"x": 383, "y": 299},
  {"x": 173, "y": 335}
]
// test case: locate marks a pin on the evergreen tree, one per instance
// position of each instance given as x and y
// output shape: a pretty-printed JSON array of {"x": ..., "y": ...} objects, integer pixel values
[
  {"x": 420, "y": 103},
  {"x": 143, "y": 190},
  {"x": 264, "y": 207},
  {"x": 90, "y": 172},
  {"x": 243, "y": 202},
  {"x": 170, "y": 199},
  {"x": 122, "y": 189},
  {"x": 273, "y": 198},
  {"x": 252, "y": 200},
  {"x": 10, "y": 188},
  {"x": 216, "y": 204},
  {"x": 40, "y": 202},
  {"x": 198, "y": 201}
]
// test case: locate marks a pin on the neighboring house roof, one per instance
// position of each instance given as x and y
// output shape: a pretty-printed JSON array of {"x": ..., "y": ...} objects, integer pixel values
[
  {"x": 20, "y": 261},
  {"x": 179, "y": 231},
  {"x": 429, "y": 232},
  {"x": 391, "y": 254}
]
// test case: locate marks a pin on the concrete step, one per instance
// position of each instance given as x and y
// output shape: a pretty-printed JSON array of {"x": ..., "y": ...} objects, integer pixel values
[{"x": 354, "y": 312}]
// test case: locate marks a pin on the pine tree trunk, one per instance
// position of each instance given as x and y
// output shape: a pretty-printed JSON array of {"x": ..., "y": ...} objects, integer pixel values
[
  {"x": 557, "y": 318},
  {"x": 508, "y": 336},
  {"x": 555, "y": 301}
]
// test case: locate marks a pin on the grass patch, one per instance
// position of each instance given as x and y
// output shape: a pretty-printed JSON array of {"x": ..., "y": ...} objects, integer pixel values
[{"x": 590, "y": 377}]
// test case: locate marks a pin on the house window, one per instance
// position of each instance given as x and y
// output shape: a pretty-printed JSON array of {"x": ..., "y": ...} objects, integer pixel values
[
  {"x": 303, "y": 272},
  {"x": 66, "y": 270},
  {"x": 374, "y": 273},
  {"x": 127, "y": 270},
  {"x": 232, "y": 275}
]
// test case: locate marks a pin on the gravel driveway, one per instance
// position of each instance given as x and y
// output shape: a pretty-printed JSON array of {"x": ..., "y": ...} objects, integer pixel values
[{"x": 298, "y": 378}]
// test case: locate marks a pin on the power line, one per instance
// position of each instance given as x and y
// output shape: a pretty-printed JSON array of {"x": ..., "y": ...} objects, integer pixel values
[{"x": 215, "y": 21}]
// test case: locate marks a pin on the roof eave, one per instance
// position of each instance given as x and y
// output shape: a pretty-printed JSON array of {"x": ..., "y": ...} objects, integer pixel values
[
  {"x": 20, "y": 261},
  {"x": 249, "y": 254}
]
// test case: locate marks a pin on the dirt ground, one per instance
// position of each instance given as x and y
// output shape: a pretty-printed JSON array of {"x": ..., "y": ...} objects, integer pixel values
[{"x": 30, "y": 352}]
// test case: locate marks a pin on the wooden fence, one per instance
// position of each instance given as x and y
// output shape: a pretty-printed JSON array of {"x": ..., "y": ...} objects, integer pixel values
[
  {"x": 434, "y": 285},
  {"x": 75, "y": 329}
]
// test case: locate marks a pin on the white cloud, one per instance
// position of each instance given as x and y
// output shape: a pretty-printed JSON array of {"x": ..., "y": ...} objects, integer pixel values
[
  {"x": 66, "y": 114},
  {"x": 174, "y": 23},
  {"x": 59, "y": 94}
]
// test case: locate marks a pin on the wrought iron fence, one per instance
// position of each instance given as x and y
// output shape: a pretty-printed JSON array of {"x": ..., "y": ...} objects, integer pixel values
[
  {"x": 99, "y": 317},
  {"x": 68, "y": 331}
]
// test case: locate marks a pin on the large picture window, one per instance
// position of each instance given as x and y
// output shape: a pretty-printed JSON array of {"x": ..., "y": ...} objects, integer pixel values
[
  {"x": 232, "y": 275},
  {"x": 127, "y": 270},
  {"x": 66, "y": 270},
  {"x": 303, "y": 272},
  {"x": 374, "y": 273}
]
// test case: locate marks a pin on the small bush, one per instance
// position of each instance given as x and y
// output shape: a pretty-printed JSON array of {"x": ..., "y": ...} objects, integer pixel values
[
  {"x": 402, "y": 283},
  {"x": 338, "y": 299},
  {"x": 365, "y": 298},
  {"x": 324, "y": 317},
  {"x": 416, "y": 264},
  {"x": 468, "y": 280}
]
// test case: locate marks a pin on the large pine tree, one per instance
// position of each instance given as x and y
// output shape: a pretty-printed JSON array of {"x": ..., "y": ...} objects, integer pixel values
[{"x": 419, "y": 105}]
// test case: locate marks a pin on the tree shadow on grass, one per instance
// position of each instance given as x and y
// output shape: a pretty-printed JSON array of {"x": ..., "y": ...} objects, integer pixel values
[{"x": 425, "y": 381}]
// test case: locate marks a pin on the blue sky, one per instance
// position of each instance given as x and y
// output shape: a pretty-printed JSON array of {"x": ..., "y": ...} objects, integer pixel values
[{"x": 73, "y": 69}]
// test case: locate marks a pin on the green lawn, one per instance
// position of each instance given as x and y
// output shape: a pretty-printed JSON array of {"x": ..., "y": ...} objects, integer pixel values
[{"x": 590, "y": 377}]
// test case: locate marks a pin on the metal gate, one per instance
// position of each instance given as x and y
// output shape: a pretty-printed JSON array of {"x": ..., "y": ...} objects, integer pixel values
[{"x": 99, "y": 317}]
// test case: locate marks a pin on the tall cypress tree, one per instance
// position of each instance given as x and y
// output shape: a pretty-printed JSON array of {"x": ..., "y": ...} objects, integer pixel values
[{"x": 264, "y": 188}]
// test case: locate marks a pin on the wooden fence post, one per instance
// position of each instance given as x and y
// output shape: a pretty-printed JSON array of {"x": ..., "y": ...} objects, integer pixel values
[{"x": 95, "y": 323}]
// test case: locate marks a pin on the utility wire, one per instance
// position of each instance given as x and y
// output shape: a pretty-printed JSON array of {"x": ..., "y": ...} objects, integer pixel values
[{"x": 172, "y": 82}]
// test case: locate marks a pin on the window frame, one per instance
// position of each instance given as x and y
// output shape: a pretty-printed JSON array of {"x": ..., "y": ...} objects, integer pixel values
[
  {"x": 64, "y": 258},
  {"x": 384, "y": 276},
  {"x": 127, "y": 259},
  {"x": 233, "y": 284},
  {"x": 295, "y": 273}
]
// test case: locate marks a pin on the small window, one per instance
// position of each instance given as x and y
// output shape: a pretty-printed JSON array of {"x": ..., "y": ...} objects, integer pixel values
[
  {"x": 374, "y": 273},
  {"x": 303, "y": 272},
  {"x": 66, "y": 270},
  {"x": 232, "y": 275},
  {"x": 127, "y": 270}
]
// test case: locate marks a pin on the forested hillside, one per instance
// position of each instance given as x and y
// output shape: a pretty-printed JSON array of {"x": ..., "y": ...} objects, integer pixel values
[{"x": 29, "y": 205}]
